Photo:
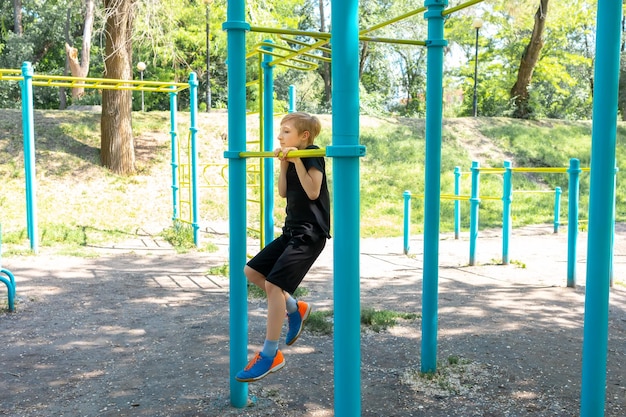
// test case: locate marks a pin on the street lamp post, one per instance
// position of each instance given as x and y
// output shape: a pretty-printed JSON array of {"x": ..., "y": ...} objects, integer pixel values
[
  {"x": 141, "y": 66},
  {"x": 477, "y": 24}
]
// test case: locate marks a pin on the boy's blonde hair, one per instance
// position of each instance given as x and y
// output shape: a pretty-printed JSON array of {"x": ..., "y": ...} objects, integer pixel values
[{"x": 304, "y": 122}]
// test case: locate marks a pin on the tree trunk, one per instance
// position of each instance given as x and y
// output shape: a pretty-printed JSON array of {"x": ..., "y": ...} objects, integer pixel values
[
  {"x": 117, "y": 148},
  {"x": 519, "y": 92},
  {"x": 80, "y": 68},
  {"x": 17, "y": 17},
  {"x": 324, "y": 68}
]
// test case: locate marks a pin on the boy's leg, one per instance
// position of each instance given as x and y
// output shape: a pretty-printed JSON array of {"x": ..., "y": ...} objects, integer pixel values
[
  {"x": 275, "y": 311},
  {"x": 270, "y": 359},
  {"x": 254, "y": 277}
]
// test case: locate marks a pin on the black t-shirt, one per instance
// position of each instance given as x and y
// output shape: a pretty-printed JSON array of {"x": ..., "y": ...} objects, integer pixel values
[{"x": 310, "y": 217}]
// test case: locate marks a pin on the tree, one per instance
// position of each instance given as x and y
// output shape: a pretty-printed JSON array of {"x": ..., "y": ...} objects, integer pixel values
[
  {"x": 519, "y": 92},
  {"x": 17, "y": 19},
  {"x": 80, "y": 68},
  {"x": 117, "y": 151}
]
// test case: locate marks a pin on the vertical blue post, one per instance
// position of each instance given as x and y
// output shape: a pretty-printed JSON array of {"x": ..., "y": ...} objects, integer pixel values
[
  {"x": 613, "y": 227},
  {"x": 345, "y": 152},
  {"x": 601, "y": 200},
  {"x": 507, "y": 198},
  {"x": 174, "y": 155},
  {"x": 474, "y": 205},
  {"x": 407, "y": 220},
  {"x": 457, "y": 203},
  {"x": 434, "y": 118},
  {"x": 572, "y": 220},
  {"x": 195, "y": 200},
  {"x": 236, "y": 28},
  {"x": 268, "y": 142},
  {"x": 292, "y": 98},
  {"x": 557, "y": 208},
  {"x": 28, "y": 127}
]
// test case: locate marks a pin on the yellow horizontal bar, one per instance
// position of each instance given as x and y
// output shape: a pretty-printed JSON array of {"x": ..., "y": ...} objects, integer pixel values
[
  {"x": 391, "y": 40},
  {"x": 460, "y": 6},
  {"x": 316, "y": 35},
  {"x": 306, "y": 153},
  {"x": 491, "y": 170},
  {"x": 540, "y": 169},
  {"x": 394, "y": 20},
  {"x": 41, "y": 80}
]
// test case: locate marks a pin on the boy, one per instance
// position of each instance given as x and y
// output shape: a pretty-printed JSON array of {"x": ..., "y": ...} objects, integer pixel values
[{"x": 279, "y": 268}]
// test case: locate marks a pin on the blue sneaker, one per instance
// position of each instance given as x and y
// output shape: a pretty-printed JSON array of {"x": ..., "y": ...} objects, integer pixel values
[
  {"x": 296, "y": 322},
  {"x": 260, "y": 366}
]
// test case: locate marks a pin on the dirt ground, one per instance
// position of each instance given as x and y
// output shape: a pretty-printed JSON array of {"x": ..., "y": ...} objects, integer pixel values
[{"x": 142, "y": 331}]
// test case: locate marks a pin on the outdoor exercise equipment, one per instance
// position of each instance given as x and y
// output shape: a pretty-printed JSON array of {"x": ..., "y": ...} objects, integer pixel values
[
  {"x": 8, "y": 279},
  {"x": 27, "y": 79},
  {"x": 507, "y": 171},
  {"x": 345, "y": 152}
]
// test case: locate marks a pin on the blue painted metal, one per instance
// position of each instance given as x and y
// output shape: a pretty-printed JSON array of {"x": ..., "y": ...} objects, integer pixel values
[
  {"x": 267, "y": 139},
  {"x": 613, "y": 228},
  {"x": 507, "y": 199},
  {"x": 435, "y": 45},
  {"x": 236, "y": 28},
  {"x": 195, "y": 200},
  {"x": 407, "y": 220},
  {"x": 557, "y": 208},
  {"x": 346, "y": 203},
  {"x": 457, "y": 203},
  {"x": 601, "y": 200},
  {"x": 292, "y": 98},
  {"x": 8, "y": 280},
  {"x": 174, "y": 155},
  {"x": 28, "y": 127},
  {"x": 572, "y": 219},
  {"x": 474, "y": 206}
]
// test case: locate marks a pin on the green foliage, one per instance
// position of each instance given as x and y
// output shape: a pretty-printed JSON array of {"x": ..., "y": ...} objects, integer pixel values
[
  {"x": 320, "y": 322},
  {"x": 180, "y": 236},
  {"x": 379, "y": 320}
]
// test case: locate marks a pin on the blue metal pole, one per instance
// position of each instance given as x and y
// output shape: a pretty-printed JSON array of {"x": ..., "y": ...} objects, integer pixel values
[
  {"x": 28, "y": 125},
  {"x": 236, "y": 28},
  {"x": 407, "y": 220},
  {"x": 572, "y": 219},
  {"x": 557, "y": 208},
  {"x": 292, "y": 98},
  {"x": 345, "y": 152},
  {"x": 507, "y": 198},
  {"x": 474, "y": 205},
  {"x": 195, "y": 200},
  {"x": 457, "y": 203},
  {"x": 174, "y": 154},
  {"x": 601, "y": 200},
  {"x": 613, "y": 227},
  {"x": 434, "y": 118},
  {"x": 268, "y": 136}
]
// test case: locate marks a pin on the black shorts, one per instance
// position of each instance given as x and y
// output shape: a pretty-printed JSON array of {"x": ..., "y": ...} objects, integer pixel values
[{"x": 285, "y": 261}]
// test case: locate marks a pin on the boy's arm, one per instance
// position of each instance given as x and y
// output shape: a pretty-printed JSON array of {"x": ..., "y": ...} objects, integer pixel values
[
  {"x": 311, "y": 180},
  {"x": 282, "y": 179}
]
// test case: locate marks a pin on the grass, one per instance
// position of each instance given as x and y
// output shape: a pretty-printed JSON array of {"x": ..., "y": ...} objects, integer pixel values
[
  {"x": 321, "y": 322},
  {"x": 82, "y": 204}
]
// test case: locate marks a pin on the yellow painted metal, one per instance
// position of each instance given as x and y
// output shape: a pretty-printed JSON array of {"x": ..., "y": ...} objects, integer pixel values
[
  {"x": 460, "y": 6},
  {"x": 306, "y": 153},
  {"x": 391, "y": 40},
  {"x": 394, "y": 20},
  {"x": 95, "y": 83}
]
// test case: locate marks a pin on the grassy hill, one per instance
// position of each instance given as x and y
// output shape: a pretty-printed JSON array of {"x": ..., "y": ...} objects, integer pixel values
[{"x": 82, "y": 204}]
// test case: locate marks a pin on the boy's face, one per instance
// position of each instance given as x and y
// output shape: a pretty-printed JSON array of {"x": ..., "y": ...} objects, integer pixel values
[{"x": 290, "y": 138}]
